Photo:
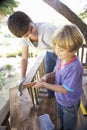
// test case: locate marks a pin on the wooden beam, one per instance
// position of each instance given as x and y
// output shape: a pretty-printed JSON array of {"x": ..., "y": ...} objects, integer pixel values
[
  {"x": 22, "y": 112},
  {"x": 4, "y": 112},
  {"x": 2, "y": 127}
]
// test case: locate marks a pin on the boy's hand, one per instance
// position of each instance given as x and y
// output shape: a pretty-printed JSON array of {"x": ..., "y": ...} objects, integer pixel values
[
  {"x": 48, "y": 78},
  {"x": 21, "y": 81},
  {"x": 45, "y": 78},
  {"x": 39, "y": 84}
]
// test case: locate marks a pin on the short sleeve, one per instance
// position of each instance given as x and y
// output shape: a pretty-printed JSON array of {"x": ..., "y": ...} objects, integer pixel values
[
  {"x": 24, "y": 42},
  {"x": 47, "y": 36},
  {"x": 73, "y": 79}
]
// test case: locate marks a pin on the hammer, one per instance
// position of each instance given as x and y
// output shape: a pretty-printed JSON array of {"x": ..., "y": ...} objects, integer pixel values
[{"x": 26, "y": 85}]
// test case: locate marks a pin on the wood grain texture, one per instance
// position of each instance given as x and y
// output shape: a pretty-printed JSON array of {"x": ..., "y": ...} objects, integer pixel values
[{"x": 23, "y": 114}]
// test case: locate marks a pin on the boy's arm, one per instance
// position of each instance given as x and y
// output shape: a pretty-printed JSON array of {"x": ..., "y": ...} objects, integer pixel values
[{"x": 24, "y": 61}]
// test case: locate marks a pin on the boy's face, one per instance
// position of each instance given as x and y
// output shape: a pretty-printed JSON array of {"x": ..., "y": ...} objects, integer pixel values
[
  {"x": 63, "y": 53},
  {"x": 32, "y": 33}
]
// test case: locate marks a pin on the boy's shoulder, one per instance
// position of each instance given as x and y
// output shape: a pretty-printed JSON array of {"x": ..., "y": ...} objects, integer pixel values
[
  {"x": 45, "y": 25},
  {"x": 76, "y": 65},
  {"x": 77, "y": 62}
]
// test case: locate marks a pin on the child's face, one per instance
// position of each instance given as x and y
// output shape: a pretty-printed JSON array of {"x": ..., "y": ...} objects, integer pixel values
[
  {"x": 63, "y": 53},
  {"x": 32, "y": 33}
]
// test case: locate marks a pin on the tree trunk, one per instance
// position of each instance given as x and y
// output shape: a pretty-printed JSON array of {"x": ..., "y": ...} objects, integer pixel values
[{"x": 68, "y": 14}]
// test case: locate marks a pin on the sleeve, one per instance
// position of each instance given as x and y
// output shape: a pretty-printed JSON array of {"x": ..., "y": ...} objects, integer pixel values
[
  {"x": 49, "y": 30},
  {"x": 72, "y": 79},
  {"x": 24, "y": 42}
]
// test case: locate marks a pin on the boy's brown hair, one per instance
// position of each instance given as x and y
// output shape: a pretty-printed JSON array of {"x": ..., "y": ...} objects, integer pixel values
[{"x": 18, "y": 23}]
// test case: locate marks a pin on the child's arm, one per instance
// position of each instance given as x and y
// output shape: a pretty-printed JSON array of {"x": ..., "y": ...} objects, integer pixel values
[{"x": 53, "y": 87}]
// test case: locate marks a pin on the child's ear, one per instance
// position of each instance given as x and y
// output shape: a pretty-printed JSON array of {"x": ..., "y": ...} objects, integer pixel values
[{"x": 75, "y": 51}]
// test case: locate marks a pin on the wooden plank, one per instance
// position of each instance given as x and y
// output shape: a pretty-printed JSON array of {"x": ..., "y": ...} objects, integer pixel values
[
  {"x": 83, "y": 118},
  {"x": 85, "y": 89},
  {"x": 32, "y": 75},
  {"x": 32, "y": 72},
  {"x": 2, "y": 127},
  {"x": 79, "y": 123},
  {"x": 85, "y": 71},
  {"x": 83, "y": 105},
  {"x": 22, "y": 112},
  {"x": 4, "y": 112},
  {"x": 48, "y": 105}
]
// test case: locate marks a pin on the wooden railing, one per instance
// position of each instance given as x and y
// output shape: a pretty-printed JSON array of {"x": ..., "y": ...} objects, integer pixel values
[
  {"x": 82, "y": 54},
  {"x": 36, "y": 72}
]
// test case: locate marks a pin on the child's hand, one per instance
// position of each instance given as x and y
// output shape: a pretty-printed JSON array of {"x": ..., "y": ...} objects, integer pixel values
[
  {"x": 48, "y": 78},
  {"x": 38, "y": 84},
  {"x": 44, "y": 78}
]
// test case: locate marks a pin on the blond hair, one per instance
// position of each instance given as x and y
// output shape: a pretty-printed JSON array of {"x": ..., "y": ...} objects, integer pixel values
[{"x": 69, "y": 37}]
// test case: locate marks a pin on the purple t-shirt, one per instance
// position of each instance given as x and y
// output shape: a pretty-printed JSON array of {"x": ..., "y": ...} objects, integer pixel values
[{"x": 70, "y": 77}]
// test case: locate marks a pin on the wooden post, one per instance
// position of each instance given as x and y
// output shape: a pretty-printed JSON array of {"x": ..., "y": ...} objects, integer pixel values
[
  {"x": 23, "y": 114},
  {"x": 2, "y": 127}
]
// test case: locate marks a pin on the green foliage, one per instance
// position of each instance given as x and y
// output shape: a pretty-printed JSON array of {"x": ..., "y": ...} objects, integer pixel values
[
  {"x": 8, "y": 67},
  {"x": 19, "y": 53},
  {"x": 8, "y": 55},
  {"x": 3, "y": 73},
  {"x": 7, "y": 7},
  {"x": 2, "y": 79},
  {"x": 83, "y": 15}
]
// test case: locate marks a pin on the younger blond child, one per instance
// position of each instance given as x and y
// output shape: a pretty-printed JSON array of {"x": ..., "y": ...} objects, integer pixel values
[{"x": 67, "y": 75}]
